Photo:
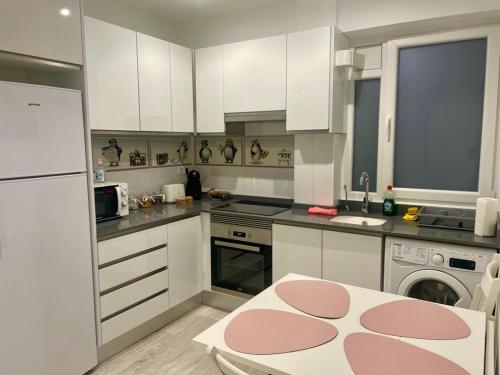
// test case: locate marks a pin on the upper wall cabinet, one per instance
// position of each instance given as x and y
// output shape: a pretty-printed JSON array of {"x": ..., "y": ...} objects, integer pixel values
[
  {"x": 111, "y": 62},
  {"x": 153, "y": 57},
  {"x": 209, "y": 64},
  {"x": 308, "y": 79},
  {"x": 49, "y": 29},
  {"x": 181, "y": 75},
  {"x": 316, "y": 90},
  {"x": 255, "y": 75}
]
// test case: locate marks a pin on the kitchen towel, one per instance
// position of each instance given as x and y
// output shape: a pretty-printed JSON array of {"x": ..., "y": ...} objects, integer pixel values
[
  {"x": 322, "y": 211},
  {"x": 486, "y": 217}
]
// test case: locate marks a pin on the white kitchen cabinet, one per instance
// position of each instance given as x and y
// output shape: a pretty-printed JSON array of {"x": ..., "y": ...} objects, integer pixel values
[
  {"x": 297, "y": 250},
  {"x": 352, "y": 259},
  {"x": 153, "y": 57},
  {"x": 209, "y": 64},
  {"x": 255, "y": 75},
  {"x": 308, "y": 79},
  {"x": 112, "y": 79},
  {"x": 37, "y": 28},
  {"x": 181, "y": 75},
  {"x": 185, "y": 259}
]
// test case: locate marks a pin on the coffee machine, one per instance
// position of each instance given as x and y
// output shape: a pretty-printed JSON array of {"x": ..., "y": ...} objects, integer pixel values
[{"x": 193, "y": 186}]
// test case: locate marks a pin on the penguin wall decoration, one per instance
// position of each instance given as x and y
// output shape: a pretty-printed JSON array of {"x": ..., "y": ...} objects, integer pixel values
[
  {"x": 182, "y": 151},
  {"x": 205, "y": 152},
  {"x": 112, "y": 152},
  {"x": 257, "y": 153},
  {"x": 228, "y": 150}
]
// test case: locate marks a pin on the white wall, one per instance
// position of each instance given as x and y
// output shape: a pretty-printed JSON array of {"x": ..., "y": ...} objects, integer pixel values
[
  {"x": 257, "y": 181},
  {"x": 136, "y": 19},
  {"x": 148, "y": 180},
  {"x": 273, "y": 19},
  {"x": 365, "y": 14}
]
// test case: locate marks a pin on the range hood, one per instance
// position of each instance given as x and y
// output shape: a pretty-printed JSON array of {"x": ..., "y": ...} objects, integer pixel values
[{"x": 263, "y": 116}]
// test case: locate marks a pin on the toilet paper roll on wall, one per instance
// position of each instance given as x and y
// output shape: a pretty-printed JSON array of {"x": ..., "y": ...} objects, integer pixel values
[{"x": 486, "y": 217}]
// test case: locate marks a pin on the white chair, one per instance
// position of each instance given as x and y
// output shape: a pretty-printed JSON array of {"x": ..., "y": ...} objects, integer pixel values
[
  {"x": 486, "y": 293},
  {"x": 226, "y": 367},
  {"x": 492, "y": 349}
]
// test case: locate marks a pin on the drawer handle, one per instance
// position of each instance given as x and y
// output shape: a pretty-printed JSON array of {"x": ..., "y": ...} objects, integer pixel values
[{"x": 34, "y": 105}]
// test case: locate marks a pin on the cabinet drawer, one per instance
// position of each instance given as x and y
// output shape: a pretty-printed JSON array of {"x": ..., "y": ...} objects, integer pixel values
[
  {"x": 134, "y": 317},
  {"x": 124, "y": 246},
  {"x": 122, "y": 272},
  {"x": 133, "y": 293}
]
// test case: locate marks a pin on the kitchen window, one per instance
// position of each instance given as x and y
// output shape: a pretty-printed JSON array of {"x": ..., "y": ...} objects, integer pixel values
[
  {"x": 437, "y": 118},
  {"x": 362, "y": 152}
]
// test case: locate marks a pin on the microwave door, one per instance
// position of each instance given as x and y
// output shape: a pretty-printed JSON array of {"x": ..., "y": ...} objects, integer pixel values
[{"x": 106, "y": 203}]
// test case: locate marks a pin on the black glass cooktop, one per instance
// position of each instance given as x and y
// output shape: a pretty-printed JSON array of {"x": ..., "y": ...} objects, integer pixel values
[{"x": 253, "y": 207}]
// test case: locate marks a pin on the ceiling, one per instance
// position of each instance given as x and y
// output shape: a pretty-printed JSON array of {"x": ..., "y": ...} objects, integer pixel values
[{"x": 189, "y": 9}]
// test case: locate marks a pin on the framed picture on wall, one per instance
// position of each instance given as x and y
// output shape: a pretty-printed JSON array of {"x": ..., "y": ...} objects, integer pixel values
[
  {"x": 216, "y": 150},
  {"x": 269, "y": 151},
  {"x": 120, "y": 152},
  {"x": 171, "y": 151}
]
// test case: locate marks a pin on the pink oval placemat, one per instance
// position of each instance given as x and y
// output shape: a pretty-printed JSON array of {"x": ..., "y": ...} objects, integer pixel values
[
  {"x": 319, "y": 298},
  {"x": 263, "y": 331},
  {"x": 370, "y": 354},
  {"x": 415, "y": 319}
]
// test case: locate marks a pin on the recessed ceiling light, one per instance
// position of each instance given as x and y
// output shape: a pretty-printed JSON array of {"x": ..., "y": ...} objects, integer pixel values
[{"x": 65, "y": 12}]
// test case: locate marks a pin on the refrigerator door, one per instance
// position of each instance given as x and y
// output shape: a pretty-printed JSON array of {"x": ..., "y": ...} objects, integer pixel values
[
  {"x": 41, "y": 131},
  {"x": 47, "y": 324}
]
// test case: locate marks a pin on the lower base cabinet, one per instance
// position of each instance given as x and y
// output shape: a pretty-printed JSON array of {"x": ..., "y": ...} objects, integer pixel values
[
  {"x": 144, "y": 274},
  {"x": 296, "y": 250},
  {"x": 352, "y": 259},
  {"x": 185, "y": 259}
]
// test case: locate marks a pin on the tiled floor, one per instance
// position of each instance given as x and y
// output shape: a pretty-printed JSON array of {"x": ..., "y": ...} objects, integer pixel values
[{"x": 170, "y": 350}]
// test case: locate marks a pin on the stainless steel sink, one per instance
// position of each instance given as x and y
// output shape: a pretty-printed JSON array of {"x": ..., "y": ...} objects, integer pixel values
[{"x": 358, "y": 220}]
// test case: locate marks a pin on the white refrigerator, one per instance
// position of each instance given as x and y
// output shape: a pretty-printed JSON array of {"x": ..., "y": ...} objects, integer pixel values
[{"x": 47, "y": 320}]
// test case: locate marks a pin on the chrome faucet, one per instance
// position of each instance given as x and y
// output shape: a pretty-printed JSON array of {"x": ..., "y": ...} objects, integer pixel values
[{"x": 365, "y": 180}]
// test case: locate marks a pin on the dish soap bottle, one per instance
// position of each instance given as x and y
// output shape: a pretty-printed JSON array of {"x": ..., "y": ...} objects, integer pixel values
[
  {"x": 99, "y": 171},
  {"x": 389, "y": 203}
]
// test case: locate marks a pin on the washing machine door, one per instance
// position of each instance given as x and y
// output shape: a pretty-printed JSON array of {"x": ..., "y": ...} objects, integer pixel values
[{"x": 435, "y": 286}]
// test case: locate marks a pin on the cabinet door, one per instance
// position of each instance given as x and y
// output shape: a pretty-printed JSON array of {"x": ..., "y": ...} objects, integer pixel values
[
  {"x": 111, "y": 56},
  {"x": 38, "y": 28},
  {"x": 352, "y": 259},
  {"x": 210, "y": 90},
  {"x": 181, "y": 73},
  {"x": 255, "y": 75},
  {"x": 153, "y": 58},
  {"x": 296, "y": 250},
  {"x": 308, "y": 79},
  {"x": 184, "y": 259}
]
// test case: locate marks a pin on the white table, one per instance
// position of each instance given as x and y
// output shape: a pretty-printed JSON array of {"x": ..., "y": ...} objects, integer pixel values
[{"x": 330, "y": 357}]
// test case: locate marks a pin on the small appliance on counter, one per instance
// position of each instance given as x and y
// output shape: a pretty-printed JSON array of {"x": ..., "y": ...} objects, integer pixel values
[
  {"x": 193, "y": 186},
  {"x": 111, "y": 200},
  {"x": 172, "y": 192}
]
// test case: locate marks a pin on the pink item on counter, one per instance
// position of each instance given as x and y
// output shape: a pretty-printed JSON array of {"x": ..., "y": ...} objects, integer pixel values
[
  {"x": 265, "y": 331},
  {"x": 370, "y": 354},
  {"x": 319, "y": 298},
  {"x": 415, "y": 319},
  {"x": 322, "y": 211}
]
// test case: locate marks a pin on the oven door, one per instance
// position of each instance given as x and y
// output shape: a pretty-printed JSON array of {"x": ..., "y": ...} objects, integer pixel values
[
  {"x": 241, "y": 267},
  {"x": 106, "y": 202}
]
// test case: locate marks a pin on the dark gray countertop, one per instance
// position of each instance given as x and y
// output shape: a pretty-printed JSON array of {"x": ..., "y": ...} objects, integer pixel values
[{"x": 395, "y": 226}]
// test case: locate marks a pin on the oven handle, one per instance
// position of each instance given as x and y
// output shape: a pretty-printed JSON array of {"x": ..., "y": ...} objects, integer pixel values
[{"x": 255, "y": 249}]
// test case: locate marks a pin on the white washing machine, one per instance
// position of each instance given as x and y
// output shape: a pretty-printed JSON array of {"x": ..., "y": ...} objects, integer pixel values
[{"x": 432, "y": 271}]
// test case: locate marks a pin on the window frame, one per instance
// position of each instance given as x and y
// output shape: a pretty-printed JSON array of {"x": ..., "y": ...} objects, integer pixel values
[
  {"x": 488, "y": 137},
  {"x": 349, "y": 149}
]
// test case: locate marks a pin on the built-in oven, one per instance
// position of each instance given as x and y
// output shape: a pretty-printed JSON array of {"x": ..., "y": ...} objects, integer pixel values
[{"x": 241, "y": 254}]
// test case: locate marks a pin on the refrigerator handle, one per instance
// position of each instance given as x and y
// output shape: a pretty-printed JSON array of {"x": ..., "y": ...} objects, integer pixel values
[{"x": 119, "y": 195}]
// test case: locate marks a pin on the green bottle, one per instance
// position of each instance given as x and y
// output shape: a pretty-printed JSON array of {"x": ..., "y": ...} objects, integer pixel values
[{"x": 389, "y": 203}]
